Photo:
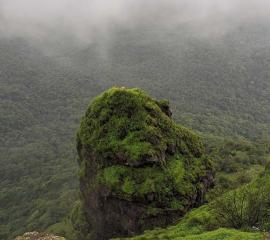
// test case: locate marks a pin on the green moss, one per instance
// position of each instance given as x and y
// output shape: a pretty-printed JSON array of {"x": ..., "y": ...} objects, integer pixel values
[
  {"x": 130, "y": 148},
  {"x": 168, "y": 184},
  {"x": 130, "y": 123},
  {"x": 129, "y": 186},
  {"x": 138, "y": 182},
  {"x": 112, "y": 175},
  {"x": 140, "y": 151},
  {"x": 176, "y": 170},
  {"x": 177, "y": 204}
]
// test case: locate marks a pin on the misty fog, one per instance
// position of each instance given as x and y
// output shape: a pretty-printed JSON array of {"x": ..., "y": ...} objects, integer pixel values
[{"x": 85, "y": 21}]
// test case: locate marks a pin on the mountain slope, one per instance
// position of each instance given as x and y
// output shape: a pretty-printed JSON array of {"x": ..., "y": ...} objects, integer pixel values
[{"x": 217, "y": 85}]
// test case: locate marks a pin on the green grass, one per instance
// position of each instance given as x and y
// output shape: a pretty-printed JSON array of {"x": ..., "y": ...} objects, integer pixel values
[
  {"x": 199, "y": 224},
  {"x": 225, "y": 234},
  {"x": 219, "y": 234}
]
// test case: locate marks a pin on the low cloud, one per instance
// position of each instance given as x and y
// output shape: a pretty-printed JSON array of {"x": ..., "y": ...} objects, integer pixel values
[{"x": 85, "y": 20}]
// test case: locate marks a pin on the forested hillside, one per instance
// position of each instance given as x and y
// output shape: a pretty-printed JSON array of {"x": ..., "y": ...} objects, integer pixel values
[
  {"x": 40, "y": 107},
  {"x": 217, "y": 86}
]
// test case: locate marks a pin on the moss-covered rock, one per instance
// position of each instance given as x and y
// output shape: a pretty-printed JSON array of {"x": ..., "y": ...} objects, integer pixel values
[
  {"x": 38, "y": 236},
  {"x": 138, "y": 169}
]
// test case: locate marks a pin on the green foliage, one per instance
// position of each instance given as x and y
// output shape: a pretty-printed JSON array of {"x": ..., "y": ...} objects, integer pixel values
[
  {"x": 226, "y": 234},
  {"x": 196, "y": 225},
  {"x": 128, "y": 123},
  {"x": 176, "y": 170},
  {"x": 111, "y": 175},
  {"x": 38, "y": 111},
  {"x": 216, "y": 87},
  {"x": 142, "y": 183},
  {"x": 245, "y": 207},
  {"x": 140, "y": 153},
  {"x": 235, "y": 154},
  {"x": 230, "y": 171}
]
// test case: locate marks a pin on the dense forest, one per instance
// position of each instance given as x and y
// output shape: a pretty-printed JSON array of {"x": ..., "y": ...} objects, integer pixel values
[{"x": 218, "y": 86}]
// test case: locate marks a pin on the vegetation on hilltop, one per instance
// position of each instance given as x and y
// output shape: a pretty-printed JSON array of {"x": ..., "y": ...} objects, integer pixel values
[
  {"x": 137, "y": 165},
  {"x": 199, "y": 224},
  {"x": 242, "y": 213},
  {"x": 218, "y": 88}
]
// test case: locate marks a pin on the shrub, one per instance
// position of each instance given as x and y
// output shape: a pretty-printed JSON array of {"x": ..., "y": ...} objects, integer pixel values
[{"x": 245, "y": 207}]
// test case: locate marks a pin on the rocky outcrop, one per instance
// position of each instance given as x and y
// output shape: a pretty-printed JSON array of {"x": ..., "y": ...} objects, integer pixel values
[
  {"x": 38, "y": 236},
  {"x": 138, "y": 169}
]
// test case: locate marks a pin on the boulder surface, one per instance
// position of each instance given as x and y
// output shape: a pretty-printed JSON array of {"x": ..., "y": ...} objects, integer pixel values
[
  {"x": 38, "y": 236},
  {"x": 138, "y": 169}
]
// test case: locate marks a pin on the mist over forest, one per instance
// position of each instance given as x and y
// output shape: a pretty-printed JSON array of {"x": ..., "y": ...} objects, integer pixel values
[
  {"x": 210, "y": 59},
  {"x": 88, "y": 22}
]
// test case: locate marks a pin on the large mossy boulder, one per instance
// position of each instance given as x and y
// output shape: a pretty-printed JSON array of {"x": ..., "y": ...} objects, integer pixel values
[{"x": 138, "y": 168}]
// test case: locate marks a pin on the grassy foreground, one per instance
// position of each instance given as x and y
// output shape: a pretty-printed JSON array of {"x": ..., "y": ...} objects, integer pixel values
[
  {"x": 219, "y": 234},
  {"x": 197, "y": 226}
]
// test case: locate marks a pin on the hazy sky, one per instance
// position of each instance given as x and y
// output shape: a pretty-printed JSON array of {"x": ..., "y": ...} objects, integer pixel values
[{"x": 84, "y": 19}]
